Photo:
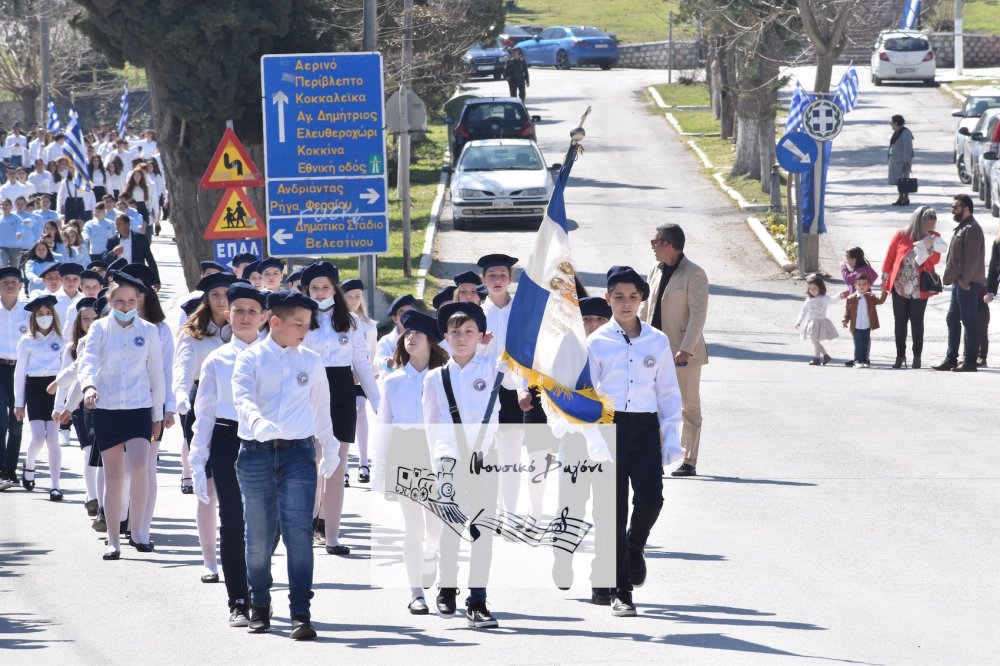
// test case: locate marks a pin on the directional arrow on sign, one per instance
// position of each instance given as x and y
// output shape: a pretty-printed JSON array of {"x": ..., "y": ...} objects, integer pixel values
[
  {"x": 793, "y": 149},
  {"x": 280, "y": 99},
  {"x": 280, "y": 236},
  {"x": 371, "y": 196}
]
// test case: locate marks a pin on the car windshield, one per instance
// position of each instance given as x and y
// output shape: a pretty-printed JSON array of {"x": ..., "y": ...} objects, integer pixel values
[
  {"x": 507, "y": 114},
  {"x": 514, "y": 31},
  {"x": 975, "y": 106},
  {"x": 501, "y": 158},
  {"x": 485, "y": 46},
  {"x": 906, "y": 44},
  {"x": 588, "y": 32}
]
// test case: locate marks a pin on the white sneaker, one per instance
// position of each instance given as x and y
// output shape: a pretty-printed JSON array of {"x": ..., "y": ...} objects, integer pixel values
[
  {"x": 64, "y": 438},
  {"x": 5, "y": 484}
]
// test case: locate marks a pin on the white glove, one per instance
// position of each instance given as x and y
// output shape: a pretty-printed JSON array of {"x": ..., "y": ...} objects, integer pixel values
[
  {"x": 183, "y": 406},
  {"x": 330, "y": 461},
  {"x": 200, "y": 480},
  {"x": 263, "y": 430},
  {"x": 671, "y": 451},
  {"x": 597, "y": 448}
]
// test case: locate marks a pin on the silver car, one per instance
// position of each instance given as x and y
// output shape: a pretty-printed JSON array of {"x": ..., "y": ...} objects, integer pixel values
[
  {"x": 975, "y": 144},
  {"x": 977, "y": 102}
]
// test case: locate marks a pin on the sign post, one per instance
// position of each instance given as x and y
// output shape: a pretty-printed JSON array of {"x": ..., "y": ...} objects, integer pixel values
[
  {"x": 324, "y": 154},
  {"x": 822, "y": 120}
]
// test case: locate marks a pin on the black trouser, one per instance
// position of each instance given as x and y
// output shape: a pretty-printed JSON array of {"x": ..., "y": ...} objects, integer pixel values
[
  {"x": 10, "y": 427},
  {"x": 517, "y": 88},
  {"x": 638, "y": 461},
  {"x": 232, "y": 544},
  {"x": 983, "y": 313},
  {"x": 909, "y": 310}
]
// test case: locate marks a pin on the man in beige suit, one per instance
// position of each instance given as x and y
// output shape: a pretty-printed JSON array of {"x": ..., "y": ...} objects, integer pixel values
[{"x": 677, "y": 306}]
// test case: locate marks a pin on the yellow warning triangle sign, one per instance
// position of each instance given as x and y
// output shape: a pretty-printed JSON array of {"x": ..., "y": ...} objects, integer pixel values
[
  {"x": 235, "y": 217},
  {"x": 231, "y": 165}
]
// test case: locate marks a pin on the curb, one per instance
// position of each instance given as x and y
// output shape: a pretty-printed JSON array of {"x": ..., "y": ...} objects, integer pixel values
[
  {"x": 677, "y": 126},
  {"x": 701, "y": 155},
  {"x": 737, "y": 197},
  {"x": 951, "y": 91},
  {"x": 427, "y": 252},
  {"x": 656, "y": 98},
  {"x": 771, "y": 245}
]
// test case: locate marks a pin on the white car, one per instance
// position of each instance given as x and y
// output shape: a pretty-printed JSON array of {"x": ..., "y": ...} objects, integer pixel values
[
  {"x": 975, "y": 104},
  {"x": 499, "y": 179},
  {"x": 903, "y": 55},
  {"x": 995, "y": 188}
]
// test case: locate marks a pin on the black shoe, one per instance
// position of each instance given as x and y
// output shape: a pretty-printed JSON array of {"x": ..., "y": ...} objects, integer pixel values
[
  {"x": 123, "y": 527},
  {"x": 347, "y": 480},
  {"x": 636, "y": 565},
  {"x": 91, "y": 507},
  {"x": 319, "y": 530},
  {"x": 339, "y": 549},
  {"x": 29, "y": 485},
  {"x": 210, "y": 578},
  {"x": 965, "y": 367},
  {"x": 601, "y": 596},
  {"x": 364, "y": 474},
  {"x": 55, "y": 495},
  {"x": 815, "y": 361},
  {"x": 111, "y": 554},
  {"x": 260, "y": 620},
  {"x": 100, "y": 524},
  {"x": 849, "y": 364},
  {"x": 141, "y": 547},
  {"x": 238, "y": 616},
  {"x": 302, "y": 629},
  {"x": 946, "y": 365},
  {"x": 900, "y": 363},
  {"x": 479, "y": 616},
  {"x": 916, "y": 363},
  {"x": 687, "y": 469},
  {"x": 446, "y": 600},
  {"x": 981, "y": 363},
  {"x": 418, "y": 607},
  {"x": 826, "y": 359},
  {"x": 623, "y": 606}
]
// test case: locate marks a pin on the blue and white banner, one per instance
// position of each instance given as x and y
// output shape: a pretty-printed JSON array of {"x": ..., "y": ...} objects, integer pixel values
[
  {"x": 814, "y": 191},
  {"x": 546, "y": 342},
  {"x": 847, "y": 90},
  {"x": 123, "y": 115},
  {"x": 911, "y": 15},
  {"x": 75, "y": 149},
  {"x": 800, "y": 100},
  {"x": 52, "y": 120}
]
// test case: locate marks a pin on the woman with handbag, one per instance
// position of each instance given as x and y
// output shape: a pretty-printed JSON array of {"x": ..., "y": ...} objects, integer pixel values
[
  {"x": 900, "y": 160},
  {"x": 908, "y": 271}
]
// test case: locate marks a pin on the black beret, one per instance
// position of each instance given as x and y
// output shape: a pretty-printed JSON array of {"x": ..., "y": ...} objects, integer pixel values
[
  {"x": 210, "y": 282},
  {"x": 445, "y": 295},
  {"x": 205, "y": 265},
  {"x": 117, "y": 264},
  {"x": 191, "y": 303},
  {"x": 475, "y": 312},
  {"x": 53, "y": 267},
  {"x": 414, "y": 320},
  {"x": 70, "y": 269},
  {"x": 141, "y": 272},
  {"x": 294, "y": 276},
  {"x": 38, "y": 302},
  {"x": 320, "y": 269},
  {"x": 91, "y": 275},
  {"x": 86, "y": 303},
  {"x": 595, "y": 306},
  {"x": 252, "y": 267},
  {"x": 402, "y": 301},
  {"x": 483, "y": 292},
  {"x": 100, "y": 306},
  {"x": 290, "y": 299},
  {"x": 125, "y": 279},
  {"x": 468, "y": 277},
  {"x": 352, "y": 284},
  {"x": 245, "y": 258},
  {"x": 241, "y": 289},
  {"x": 491, "y": 260},
  {"x": 10, "y": 271},
  {"x": 618, "y": 274},
  {"x": 271, "y": 262},
  {"x": 98, "y": 264}
]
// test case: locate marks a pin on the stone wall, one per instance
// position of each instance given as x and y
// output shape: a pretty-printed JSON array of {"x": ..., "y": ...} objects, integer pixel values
[
  {"x": 656, "y": 55},
  {"x": 978, "y": 50}
]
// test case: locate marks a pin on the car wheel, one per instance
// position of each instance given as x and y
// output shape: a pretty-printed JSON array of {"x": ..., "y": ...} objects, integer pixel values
[
  {"x": 963, "y": 173},
  {"x": 877, "y": 81},
  {"x": 497, "y": 76},
  {"x": 562, "y": 60},
  {"x": 988, "y": 195},
  {"x": 954, "y": 157},
  {"x": 929, "y": 82},
  {"x": 981, "y": 192},
  {"x": 458, "y": 223},
  {"x": 995, "y": 209},
  {"x": 606, "y": 66},
  {"x": 975, "y": 182}
]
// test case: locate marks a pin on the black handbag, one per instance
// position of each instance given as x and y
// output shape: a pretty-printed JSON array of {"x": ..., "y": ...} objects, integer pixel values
[
  {"x": 931, "y": 282},
  {"x": 906, "y": 185}
]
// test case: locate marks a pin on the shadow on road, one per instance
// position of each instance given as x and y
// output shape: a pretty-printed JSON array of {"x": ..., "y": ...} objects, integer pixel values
[
  {"x": 766, "y": 482},
  {"x": 742, "y": 354},
  {"x": 14, "y": 630},
  {"x": 17, "y": 554},
  {"x": 723, "y": 642}
]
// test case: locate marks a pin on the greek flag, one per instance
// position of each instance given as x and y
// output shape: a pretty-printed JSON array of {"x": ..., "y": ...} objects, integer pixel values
[
  {"x": 911, "y": 15},
  {"x": 546, "y": 342},
  {"x": 123, "y": 116},
  {"x": 52, "y": 124},
  {"x": 75, "y": 149},
  {"x": 847, "y": 90},
  {"x": 800, "y": 100}
]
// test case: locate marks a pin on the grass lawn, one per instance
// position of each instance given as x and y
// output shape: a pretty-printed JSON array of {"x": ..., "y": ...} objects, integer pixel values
[
  {"x": 981, "y": 16},
  {"x": 631, "y": 21},
  {"x": 968, "y": 85},
  {"x": 684, "y": 94},
  {"x": 425, "y": 174}
]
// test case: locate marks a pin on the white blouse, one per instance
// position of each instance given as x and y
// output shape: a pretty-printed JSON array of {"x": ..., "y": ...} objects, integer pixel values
[
  {"x": 37, "y": 356},
  {"x": 344, "y": 349}
]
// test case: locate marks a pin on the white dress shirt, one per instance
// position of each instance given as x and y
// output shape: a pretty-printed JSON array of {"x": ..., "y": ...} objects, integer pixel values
[
  {"x": 282, "y": 393},
  {"x": 167, "y": 349},
  {"x": 37, "y": 356},
  {"x": 188, "y": 358},
  {"x": 66, "y": 307},
  {"x": 54, "y": 151},
  {"x": 385, "y": 349},
  {"x": 347, "y": 349},
  {"x": 16, "y": 145},
  {"x": 43, "y": 182},
  {"x": 496, "y": 323},
  {"x": 13, "y": 325},
  {"x": 36, "y": 151},
  {"x": 14, "y": 190},
  {"x": 215, "y": 397},
  {"x": 68, "y": 394},
  {"x": 402, "y": 405},
  {"x": 638, "y": 375},
  {"x": 125, "y": 365}
]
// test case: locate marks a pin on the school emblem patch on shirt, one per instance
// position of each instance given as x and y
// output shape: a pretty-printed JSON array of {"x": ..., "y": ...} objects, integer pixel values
[
  {"x": 23, "y": 329},
  {"x": 55, "y": 346},
  {"x": 303, "y": 378},
  {"x": 139, "y": 341},
  {"x": 479, "y": 384},
  {"x": 344, "y": 339},
  {"x": 649, "y": 361}
]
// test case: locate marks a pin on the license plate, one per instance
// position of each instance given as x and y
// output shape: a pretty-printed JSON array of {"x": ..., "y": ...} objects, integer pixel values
[
  {"x": 483, "y": 68},
  {"x": 905, "y": 70},
  {"x": 600, "y": 46},
  {"x": 503, "y": 203}
]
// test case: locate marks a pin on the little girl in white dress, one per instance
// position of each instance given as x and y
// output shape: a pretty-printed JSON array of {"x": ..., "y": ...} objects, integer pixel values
[{"x": 813, "y": 323}]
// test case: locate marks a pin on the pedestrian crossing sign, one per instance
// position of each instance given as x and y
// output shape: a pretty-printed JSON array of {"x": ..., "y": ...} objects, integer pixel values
[
  {"x": 231, "y": 165},
  {"x": 235, "y": 217}
]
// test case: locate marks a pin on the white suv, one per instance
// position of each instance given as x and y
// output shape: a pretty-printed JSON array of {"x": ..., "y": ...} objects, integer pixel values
[{"x": 903, "y": 55}]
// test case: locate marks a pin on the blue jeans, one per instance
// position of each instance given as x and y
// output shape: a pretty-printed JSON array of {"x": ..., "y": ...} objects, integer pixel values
[
  {"x": 862, "y": 344},
  {"x": 278, "y": 488},
  {"x": 963, "y": 311}
]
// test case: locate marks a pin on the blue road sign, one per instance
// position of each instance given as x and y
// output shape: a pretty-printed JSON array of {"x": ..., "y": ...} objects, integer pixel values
[
  {"x": 796, "y": 152},
  {"x": 324, "y": 154},
  {"x": 225, "y": 250}
]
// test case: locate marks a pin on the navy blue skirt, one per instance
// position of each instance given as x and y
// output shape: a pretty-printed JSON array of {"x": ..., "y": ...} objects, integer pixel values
[
  {"x": 38, "y": 401},
  {"x": 115, "y": 426}
]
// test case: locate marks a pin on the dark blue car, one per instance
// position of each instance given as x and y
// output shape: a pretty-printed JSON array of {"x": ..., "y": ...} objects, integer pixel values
[
  {"x": 485, "y": 59},
  {"x": 564, "y": 47}
]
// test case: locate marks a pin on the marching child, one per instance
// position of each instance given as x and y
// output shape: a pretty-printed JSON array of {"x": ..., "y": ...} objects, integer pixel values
[
  {"x": 813, "y": 323},
  {"x": 861, "y": 317},
  {"x": 632, "y": 363},
  {"x": 276, "y": 465},
  {"x": 38, "y": 361},
  {"x": 385, "y": 348},
  {"x": 354, "y": 294}
]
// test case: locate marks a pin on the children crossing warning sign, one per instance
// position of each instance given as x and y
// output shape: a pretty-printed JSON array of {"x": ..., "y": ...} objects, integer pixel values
[
  {"x": 235, "y": 217},
  {"x": 231, "y": 165}
]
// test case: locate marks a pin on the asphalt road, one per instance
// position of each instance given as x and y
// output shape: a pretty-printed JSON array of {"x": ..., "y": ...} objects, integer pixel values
[{"x": 842, "y": 515}]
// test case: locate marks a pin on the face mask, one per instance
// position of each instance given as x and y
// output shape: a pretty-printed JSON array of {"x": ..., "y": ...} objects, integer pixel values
[
  {"x": 44, "y": 321},
  {"x": 326, "y": 303},
  {"x": 125, "y": 317}
]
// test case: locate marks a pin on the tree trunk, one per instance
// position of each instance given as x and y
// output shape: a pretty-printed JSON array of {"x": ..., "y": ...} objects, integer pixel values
[
  {"x": 768, "y": 62},
  {"x": 747, "y": 159},
  {"x": 824, "y": 71},
  {"x": 29, "y": 112},
  {"x": 727, "y": 86},
  {"x": 713, "y": 81}
]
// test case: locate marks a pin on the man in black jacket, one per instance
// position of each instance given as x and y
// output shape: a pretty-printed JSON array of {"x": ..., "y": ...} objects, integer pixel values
[
  {"x": 133, "y": 247},
  {"x": 516, "y": 73}
]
